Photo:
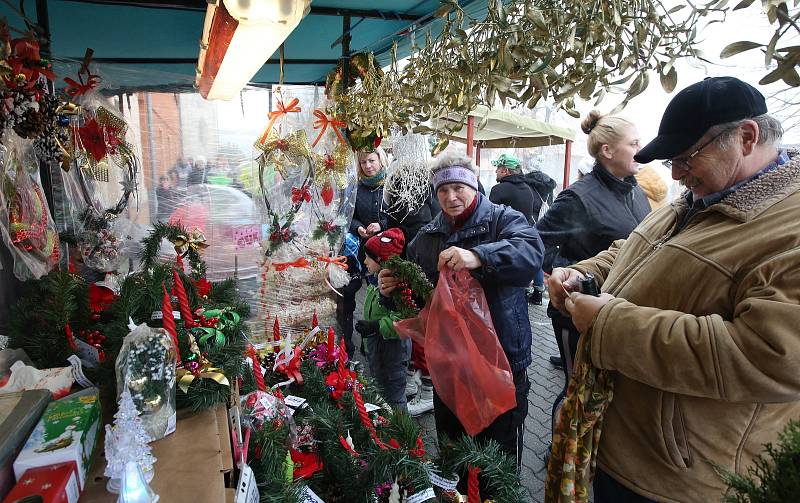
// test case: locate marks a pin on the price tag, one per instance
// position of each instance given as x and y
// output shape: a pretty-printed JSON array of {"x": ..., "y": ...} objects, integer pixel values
[
  {"x": 89, "y": 355},
  {"x": 294, "y": 401},
  {"x": 77, "y": 372},
  {"x": 246, "y": 489},
  {"x": 310, "y": 496},
  {"x": 421, "y": 496},
  {"x": 439, "y": 481},
  {"x": 158, "y": 315},
  {"x": 246, "y": 236}
]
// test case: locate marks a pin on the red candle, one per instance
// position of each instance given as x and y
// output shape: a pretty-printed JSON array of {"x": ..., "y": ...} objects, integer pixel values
[
  {"x": 257, "y": 369},
  {"x": 473, "y": 491},
  {"x": 331, "y": 339},
  {"x": 183, "y": 300},
  {"x": 342, "y": 356},
  {"x": 168, "y": 321},
  {"x": 365, "y": 419},
  {"x": 276, "y": 335},
  {"x": 314, "y": 321}
]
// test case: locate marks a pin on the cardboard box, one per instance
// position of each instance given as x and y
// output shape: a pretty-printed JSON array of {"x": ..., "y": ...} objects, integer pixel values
[
  {"x": 54, "y": 484},
  {"x": 19, "y": 413},
  {"x": 66, "y": 432}
]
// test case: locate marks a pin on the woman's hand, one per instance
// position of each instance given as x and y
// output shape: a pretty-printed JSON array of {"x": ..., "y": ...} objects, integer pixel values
[
  {"x": 373, "y": 228},
  {"x": 560, "y": 284},
  {"x": 583, "y": 308},
  {"x": 458, "y": 258},
  {"x": 362, "y": 232},
  {"x": 387, "y": 282}
]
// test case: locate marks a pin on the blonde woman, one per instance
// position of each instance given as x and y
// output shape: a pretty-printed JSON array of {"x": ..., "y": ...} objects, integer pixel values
[{"x": 603, "y": 206}]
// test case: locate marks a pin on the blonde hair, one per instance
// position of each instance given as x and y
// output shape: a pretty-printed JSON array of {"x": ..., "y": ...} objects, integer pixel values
[
  {"x": 383, "y": 159},
  {"x": 603, "y": 130}
]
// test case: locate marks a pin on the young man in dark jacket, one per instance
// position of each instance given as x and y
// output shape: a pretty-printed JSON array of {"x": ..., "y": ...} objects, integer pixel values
[{"x": 511, "y": 188}]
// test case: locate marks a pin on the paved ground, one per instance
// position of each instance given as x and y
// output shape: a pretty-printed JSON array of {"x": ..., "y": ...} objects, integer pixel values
[{"x": 546, "y": 383}]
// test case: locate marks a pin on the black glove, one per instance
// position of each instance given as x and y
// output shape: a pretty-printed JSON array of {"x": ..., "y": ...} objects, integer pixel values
[{"x": 367, "y": 328}]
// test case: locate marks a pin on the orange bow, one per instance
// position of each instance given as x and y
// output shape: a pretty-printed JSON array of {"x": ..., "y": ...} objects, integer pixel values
[
  {"x": 322, "y": 122},
  {"x": 341, "y": 261},
  {"x": 281, "y": 111},
  {"x": 300, "y": 263}
]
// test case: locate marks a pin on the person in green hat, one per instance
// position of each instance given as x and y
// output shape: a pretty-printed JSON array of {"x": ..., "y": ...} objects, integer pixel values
[{"x": 511, "y": 188}]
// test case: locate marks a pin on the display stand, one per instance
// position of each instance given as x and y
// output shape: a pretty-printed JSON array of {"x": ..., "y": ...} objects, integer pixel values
[{"x": 191, "y": 465}]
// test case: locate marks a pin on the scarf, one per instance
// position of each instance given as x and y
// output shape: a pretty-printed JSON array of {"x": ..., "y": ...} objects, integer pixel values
[
  {"x": 458, "y": 220},
  {"x": 375, "y": 180}
]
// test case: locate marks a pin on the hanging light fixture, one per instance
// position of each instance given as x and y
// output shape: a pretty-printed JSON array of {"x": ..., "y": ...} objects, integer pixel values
[{"x": 239, "y": 36}]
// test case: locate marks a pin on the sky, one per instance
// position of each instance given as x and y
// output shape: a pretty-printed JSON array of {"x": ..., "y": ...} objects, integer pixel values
[{"x": 745, "y": 24}]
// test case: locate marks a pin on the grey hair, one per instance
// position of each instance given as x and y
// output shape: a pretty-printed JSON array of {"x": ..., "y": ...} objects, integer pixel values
[
  {"x": 448, "y": 159},
  {"x": 770, "y": 131}
]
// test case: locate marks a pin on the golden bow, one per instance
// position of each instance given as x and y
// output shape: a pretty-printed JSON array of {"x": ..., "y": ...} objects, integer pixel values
[
  {"x": 292, "y": 148},
  {"x": 196, "y": 240},
  {"x": 323, "y": 122},
  {"x": 186, "y": 377},
  {"x": 275, "y": 115}
]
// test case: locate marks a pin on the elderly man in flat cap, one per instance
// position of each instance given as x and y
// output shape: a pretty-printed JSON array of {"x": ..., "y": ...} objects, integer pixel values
[{"x": 699, "y": 319}]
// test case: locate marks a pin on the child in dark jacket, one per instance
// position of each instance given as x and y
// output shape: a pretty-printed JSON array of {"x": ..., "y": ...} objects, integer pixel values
[{"x": 387, "y": 354}]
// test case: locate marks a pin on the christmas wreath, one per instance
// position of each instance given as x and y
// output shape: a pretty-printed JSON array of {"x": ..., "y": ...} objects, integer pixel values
[
  {"x": 187, "y": 244},
  {"x": 413, "y": 283}
]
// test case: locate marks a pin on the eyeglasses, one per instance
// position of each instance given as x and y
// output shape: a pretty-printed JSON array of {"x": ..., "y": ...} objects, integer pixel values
[{"x": 683, "y": 162}]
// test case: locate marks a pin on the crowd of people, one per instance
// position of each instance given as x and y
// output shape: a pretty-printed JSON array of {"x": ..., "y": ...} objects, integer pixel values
[{"x": 696, "y": 318}]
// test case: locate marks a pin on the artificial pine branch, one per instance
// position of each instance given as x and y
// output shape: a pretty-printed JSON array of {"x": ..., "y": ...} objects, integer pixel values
[{"x": 773, "y": 478}]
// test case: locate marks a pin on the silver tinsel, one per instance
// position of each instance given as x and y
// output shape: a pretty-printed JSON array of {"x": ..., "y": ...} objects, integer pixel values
[{"x": 408, "y": 182}]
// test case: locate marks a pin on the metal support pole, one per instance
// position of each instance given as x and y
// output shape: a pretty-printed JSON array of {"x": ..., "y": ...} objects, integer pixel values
[
  {"x": 345, "y": 52},
  {"x": 43, "y": 20},
  {"x": 470, "y": 134},
  {"x": 567, "y": 157}
]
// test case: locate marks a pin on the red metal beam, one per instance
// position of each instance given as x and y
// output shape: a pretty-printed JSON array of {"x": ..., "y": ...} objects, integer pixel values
[
  {"x": 470, "y": 134},
  {"x": 567, "y": 157}
]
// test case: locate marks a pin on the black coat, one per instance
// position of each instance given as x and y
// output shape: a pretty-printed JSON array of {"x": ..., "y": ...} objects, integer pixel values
[
  {"x": 543, "y": 187},
  {"x": 513, "y": 191},
  {"x": 510, "y": 252},
  {"x": 411, "y": 223},
  {"x": 591, "y": 214},
  {"x": 368, "y": 208}
]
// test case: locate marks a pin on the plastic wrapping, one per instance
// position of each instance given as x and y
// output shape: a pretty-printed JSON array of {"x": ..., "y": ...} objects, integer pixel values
[
  {"x": 306, "y": 176},
  {"x": 468, "y": 367},
  {"x": 100, "y": 180},
  {"x": 25, "y": 221},
  {"x": 146, "y": 367}
]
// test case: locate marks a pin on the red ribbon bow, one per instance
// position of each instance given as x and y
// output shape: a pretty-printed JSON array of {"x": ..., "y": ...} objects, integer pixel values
[
  {"x": 100, "y": 298},
  {"x": 275, "y": 115},
  {"x": 300, "y": 263},
  {"x": 81, "y": 87},
  {"x": 301, "y": 194},
  {"x": 292, "y": 369},
  {"x": 340, "y": 261},
  {"x": 323, "y": 122}
]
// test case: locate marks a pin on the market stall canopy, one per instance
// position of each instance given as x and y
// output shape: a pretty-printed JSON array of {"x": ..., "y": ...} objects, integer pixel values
[
  {"x": 153, "y": 44},
  {"x": 505, "y": 129}
]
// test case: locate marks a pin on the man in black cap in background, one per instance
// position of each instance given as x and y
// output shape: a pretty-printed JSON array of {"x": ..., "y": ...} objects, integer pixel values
[{"x": 698, "y": 322}]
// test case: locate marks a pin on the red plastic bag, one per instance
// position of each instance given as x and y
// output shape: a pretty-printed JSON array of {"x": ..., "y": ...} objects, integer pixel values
[{"x": 468, "y": 367}]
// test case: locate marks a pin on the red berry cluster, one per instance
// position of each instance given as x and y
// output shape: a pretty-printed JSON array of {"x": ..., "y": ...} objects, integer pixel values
[
  {"x": 405, "y": 294},
  {"x": 208, "y": 322},
  {"x": 93, "y": 337}
]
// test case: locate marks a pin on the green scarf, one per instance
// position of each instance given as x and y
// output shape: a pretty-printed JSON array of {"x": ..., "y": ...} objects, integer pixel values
[{"x": 375, "y": 180}]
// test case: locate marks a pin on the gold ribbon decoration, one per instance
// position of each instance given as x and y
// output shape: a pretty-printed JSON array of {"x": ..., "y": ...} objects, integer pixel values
[
  {"x": 280, "y": 151},
  {"x": 331, "y": 168},
  {"x": 275, "y": 115},
  {"x": 196, "y": 240},
  {"x": 206, "y": 371}
]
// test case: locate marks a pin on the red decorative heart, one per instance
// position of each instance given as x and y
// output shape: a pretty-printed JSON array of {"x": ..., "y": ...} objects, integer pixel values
[{"x": 327, "y": 194}]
